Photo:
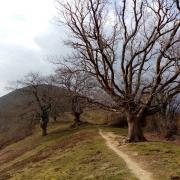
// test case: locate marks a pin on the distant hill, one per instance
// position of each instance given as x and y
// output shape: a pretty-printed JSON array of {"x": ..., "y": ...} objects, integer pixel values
[{"x": 18, "y": 113}]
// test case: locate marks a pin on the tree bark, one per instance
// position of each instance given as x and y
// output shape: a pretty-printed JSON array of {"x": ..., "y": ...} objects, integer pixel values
[
  {"x": 43, "y": 125},
  {"x": 55, "y": 118},
  {"x": 77, "y": 121},
  {"x": 44, "y": 120},
  {"x": 170, "y": 127},
  {"x": 135, "y": 129},
  {"x": 77, "y": 118}
]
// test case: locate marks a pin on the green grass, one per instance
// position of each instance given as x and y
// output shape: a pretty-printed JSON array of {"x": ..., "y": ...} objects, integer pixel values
[
  {"x": 161, "y": 158},
  {"x": 82, "y": 154},
  {"x": 97, "y": 116},
  {"x": 64, "y": 154}
]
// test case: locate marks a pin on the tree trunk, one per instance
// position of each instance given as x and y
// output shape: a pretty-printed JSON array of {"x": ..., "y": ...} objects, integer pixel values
[
  {"x": 55, "y": 118},
  {"x": 170, "y": 127},
  {"x": 135, "y": 130},
  {"x": 77, "y": 121},
  {"x": 44, "y": 121},
  {"x": 44, "y": 128},
  {"x": 77, "y": 118}
]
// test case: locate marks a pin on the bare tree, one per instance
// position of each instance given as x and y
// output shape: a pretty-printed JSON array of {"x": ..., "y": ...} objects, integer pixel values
[
  {"x": 169, "y": 117},
  {"x": 128, "y": 48},
  {"x": 165, "y": 120},
  {"x": 79, "y": 86},
  {"x": 58, "y": 107},
  {"x": 44, "y": 96}
]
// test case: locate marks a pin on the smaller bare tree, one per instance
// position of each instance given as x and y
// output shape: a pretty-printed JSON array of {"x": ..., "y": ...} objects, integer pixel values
[
  {"x": 165, "y": 120},
  {"x": 43, "y": 96},
  {"x": 83, "y": 90},
  {"x": 78, "y": 85}
]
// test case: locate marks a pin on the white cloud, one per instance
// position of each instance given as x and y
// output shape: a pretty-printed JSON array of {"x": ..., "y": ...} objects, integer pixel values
[
  {"x": 22, "y": 20},
  {"x": 19, "y": 61},
  {"x": 27, "y": 37}
]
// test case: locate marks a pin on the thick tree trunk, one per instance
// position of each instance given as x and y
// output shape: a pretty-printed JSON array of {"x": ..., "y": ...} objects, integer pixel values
[{"x": 135, "y": 130}]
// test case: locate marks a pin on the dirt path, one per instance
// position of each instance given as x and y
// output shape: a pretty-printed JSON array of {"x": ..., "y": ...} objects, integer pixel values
[{"x": 112, "y": 143}]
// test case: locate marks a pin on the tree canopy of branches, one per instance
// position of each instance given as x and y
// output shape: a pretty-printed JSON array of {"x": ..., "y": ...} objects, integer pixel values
[{"x": 130, "y": 47}]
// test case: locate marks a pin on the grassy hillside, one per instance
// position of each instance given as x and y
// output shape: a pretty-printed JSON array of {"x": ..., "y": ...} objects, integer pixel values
[
  {"x": 64, "y": 154},
  {"x": 82, "y": 154},
  {"x": 160, "y": 157},
  {"x": 73, "y": 153}
]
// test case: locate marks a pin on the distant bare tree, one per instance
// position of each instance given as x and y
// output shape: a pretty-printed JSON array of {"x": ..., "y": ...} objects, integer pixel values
[
  {"x": 128, "y": 48},
  {"x": 44, "y": 96},
  {"x": 57, "y": 108},
  {"x": 79, "y": 86},
  {"x": 169, "y": 115}
]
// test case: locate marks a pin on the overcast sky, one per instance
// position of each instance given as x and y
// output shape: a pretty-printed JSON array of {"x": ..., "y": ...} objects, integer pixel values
[{"x": 28, "y": 35}]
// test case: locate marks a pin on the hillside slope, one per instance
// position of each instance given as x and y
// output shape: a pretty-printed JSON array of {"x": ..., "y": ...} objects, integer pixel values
[
  {"x": 64, "y": 154},
  {"x": 15, "y": 121},
  {"x": 82, "y": 153}
]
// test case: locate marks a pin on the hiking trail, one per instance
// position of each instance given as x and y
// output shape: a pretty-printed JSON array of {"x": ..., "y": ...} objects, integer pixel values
[{"x": 113, "y": 143}]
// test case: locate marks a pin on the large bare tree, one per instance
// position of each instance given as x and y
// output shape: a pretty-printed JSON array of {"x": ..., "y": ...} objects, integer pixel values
[{"x": 129, "y": 47}]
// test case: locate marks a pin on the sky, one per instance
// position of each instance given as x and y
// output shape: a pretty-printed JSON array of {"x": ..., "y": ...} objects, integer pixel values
[{"x": 29, "y": 35}]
